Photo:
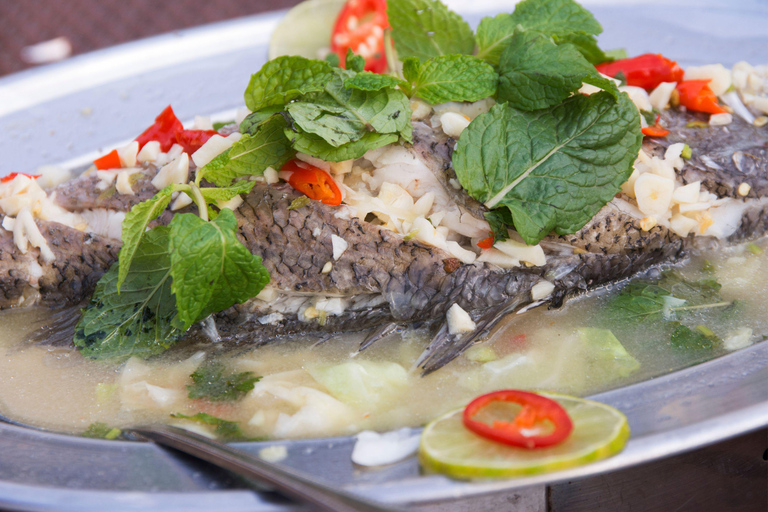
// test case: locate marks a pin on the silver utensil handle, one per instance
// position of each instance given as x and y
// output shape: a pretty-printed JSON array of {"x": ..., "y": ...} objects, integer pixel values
[{"x": 285, "y": 481}]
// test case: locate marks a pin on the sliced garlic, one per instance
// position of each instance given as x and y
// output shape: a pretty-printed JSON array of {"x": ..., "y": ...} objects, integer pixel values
[
  {"x": 654, "y": 194},
  {"x": 688, "y": 193}
]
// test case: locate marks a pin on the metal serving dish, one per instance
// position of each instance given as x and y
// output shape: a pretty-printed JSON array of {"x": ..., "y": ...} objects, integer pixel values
[{"x": 67, "y": 113}]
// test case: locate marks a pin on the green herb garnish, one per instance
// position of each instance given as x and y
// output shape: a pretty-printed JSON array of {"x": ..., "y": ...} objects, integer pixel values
[
  {"x": 100, "y": 430},
  {"x": 212, "y": 383},
  {"x": 227, "y": 430}
]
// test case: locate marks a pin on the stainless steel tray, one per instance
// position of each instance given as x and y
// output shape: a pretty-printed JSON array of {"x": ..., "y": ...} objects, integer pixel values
[{"x": 67, "y": 113}]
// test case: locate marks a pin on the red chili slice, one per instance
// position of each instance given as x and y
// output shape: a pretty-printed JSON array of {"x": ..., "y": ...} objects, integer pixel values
[
  {"x": 486, "y": 243},
  {"x": 537, "y": 411},
  {"x": 168, "y": 131},
  {"x": 10, "y": 177},
  {"x": 696, "y": 95},
  {"x": 313, "y": 182},
  {"x": 360, "y": 27},
  {"x": 646, "y": 71},
  {"x": 109, "y": 161}
]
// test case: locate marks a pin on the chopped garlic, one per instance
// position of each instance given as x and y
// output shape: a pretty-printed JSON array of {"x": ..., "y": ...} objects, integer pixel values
[
  {"x": 648, "y": 223},
  {"x": 420, "y": 109},
  {"x": 203, "y": 123},
  {"x": 344, "y": 167},
  {"x": 638, "y": 95},
  {"x": 719, "y": 76},
  {"x": 720, "y": 119},
  {"x": 453, "y": 124},
  {"x": 274, "y": 453},
  {"x": 327, "y": 267},
  {"x": 654, "y": 194},
  {"x": 271, "y": 176},
  {"x": 128, "y": 154},
  {"x": 182, "y": 201},
  {"x": 123, "y": 185},
  {"x": 542, "y": 290},
  {"x": 744, "y": 189},
  {"x": 212, "y": 148},
  {"x": 339, "y": 246},
  {"x": 149, "y": 152},
  {"x": 688, "y": 193},
  {"x": 233, "y": 204},
  {"x": 241, "y": 114},
  {"x": 498, "y": 258},
  {"x": 459, "y": 321},
  {"x": 175, "y": 172},
  {"x": 740, "y": 338},
  {"x": 533, "y": 254},
  {"x": 661, "y": 95},
  {"x": 682, "y": 225},
  {"x": 29, "y": 232},
  {"x": 374, "y": 449},
  {"x": 674, "y": 154}
]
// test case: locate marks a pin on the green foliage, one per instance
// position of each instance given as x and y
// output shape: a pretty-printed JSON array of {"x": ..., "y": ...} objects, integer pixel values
[{"x": 211, "y": 382}]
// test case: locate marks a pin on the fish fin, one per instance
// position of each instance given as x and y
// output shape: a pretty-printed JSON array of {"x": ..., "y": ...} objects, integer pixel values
[
  {"x": 445, "y": 347},
  {"x": 378, "y": 333},
  {"x": 59, "y": 330}
]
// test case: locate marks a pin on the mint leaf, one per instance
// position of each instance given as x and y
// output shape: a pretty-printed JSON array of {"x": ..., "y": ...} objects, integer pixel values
[
  {"x": 211, "y": 269},
  {"x": 227, "y": 430},
  {"x": 427, "y": 28},
  {"x": 135, "y": 224},
  {"x": 316, "y": 146},
  {"x": 139, "y": 321},
  {"x": 500, "y": 221},
  {"x": 329, "y": 120},
  {"x": 218, "y": 125},
  {"x": 354, "y": 62},
  {"x": 101, "y": 430},
  {"x": 254, "y": 120},
  {"x": 251, "y": 155},
  {"x": 211, "y": 382},
  {"x": 453, "y": 78},
  {"x": 285, "y": 78},
  {"x": 215, "y": 195},
  {"x": 553, "y": 169},
  {"x": 384, "y": 111},
  {"x": 551, "y": 17},
  {"x": 586, "y": 45},
  {"x": 367, "y": 81},
  {"x": 685, "y": 338},
  {"x": 536, "y": 73},
  {"x": 616, "y": 54}
]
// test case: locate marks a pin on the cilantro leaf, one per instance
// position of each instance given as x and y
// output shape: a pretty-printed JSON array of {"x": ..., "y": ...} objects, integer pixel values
[
  {"x": 367, "y": 81},
  {"x": 227, "y": 430},
  {"x": 135, "y": 224},
  {"x": 553, "y": 169},
  {"x": 316, "y": 146},
  {"x": 211, "y": 269},
  {"x": 211, "y": 383},
  {"x": 427, "y": 28},
  {"x": 453, "y": 78},
  {"x": 558, "y": 18},
  {"x": 139, "y": 321},
  {"x": 536, "y": 73},
  {"x": 285, "y": 78},
  {"x": 251, "y": 155}
]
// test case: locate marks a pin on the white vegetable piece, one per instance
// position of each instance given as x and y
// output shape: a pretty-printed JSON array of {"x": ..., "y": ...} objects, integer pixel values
[
  {"x": 274, "y": 453},
  {"x": 123, "y": 184},
  {"x": 52, "y": 175},
  {"x": 213, "y": 147},
  {"x": 661, "y": 95},
  {"x": 682, "y": 225},
  {"x": 459, "y": 321},
  {"x": 177, "y": 171},
  {"x": 638, "y": 96},
  {"x": 719, "y": 75},
  {"x": 542, "y": 290},
  {"x": 374, "y": 449},
  {"x": 740, "y": 338},
  {"x": 203, "y": 123},
  {"x": 271, "y": 176},
  {"x": 688, "y": 193},
  {"x": 453, "y": 124},
  {"x": 673, "y": 155},
  {"x": 420, "y": 109},
  {"x": 149, "y": 152},
  {"x": 532, "y": 254},
  {"x": 720, "y": 119},
  {"x": 128, "y": 154},
  {"x": 654, "y": 194},
  {"x": 339, "y": 246},
  {"x": 182, "y": 201}
]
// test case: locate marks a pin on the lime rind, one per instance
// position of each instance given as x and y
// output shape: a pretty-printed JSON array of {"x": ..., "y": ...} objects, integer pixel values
[{"x": 600, "y": 431}]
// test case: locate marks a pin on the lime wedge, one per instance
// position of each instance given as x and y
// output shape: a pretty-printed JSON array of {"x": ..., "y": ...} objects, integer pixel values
[
  {"x": 306, "y": 29},
  {"x": 599, "y": 431}
]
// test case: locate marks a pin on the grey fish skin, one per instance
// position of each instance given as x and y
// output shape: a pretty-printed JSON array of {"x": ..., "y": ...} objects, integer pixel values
[
  {"x": 388, "y": 281},
  {"x": 81, "y": 260}
]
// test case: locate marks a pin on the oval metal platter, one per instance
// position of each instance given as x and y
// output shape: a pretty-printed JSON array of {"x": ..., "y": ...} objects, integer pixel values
[{"x": 69, "y": 113}]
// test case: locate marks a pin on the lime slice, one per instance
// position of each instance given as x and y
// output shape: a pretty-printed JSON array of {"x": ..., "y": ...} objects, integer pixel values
[
  {"x": 306, "y": 29},
  {"x": 599, "y": 431}
]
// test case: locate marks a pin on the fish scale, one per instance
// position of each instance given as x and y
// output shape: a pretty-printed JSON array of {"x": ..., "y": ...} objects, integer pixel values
[{"x": 388, "y": 282}]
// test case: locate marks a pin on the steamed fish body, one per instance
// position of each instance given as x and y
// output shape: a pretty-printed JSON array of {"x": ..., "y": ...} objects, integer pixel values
[{"x": 333, "y": 272}]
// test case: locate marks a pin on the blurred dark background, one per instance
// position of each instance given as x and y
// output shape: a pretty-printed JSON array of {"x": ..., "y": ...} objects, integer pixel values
[{"x": 79, "y": 26}]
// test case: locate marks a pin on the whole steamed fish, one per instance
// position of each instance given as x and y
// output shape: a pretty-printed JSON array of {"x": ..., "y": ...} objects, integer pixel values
[{"x": 370, "y": 278}]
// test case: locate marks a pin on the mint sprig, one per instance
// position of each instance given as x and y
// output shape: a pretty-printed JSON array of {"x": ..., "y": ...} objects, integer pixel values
[
  {"x": 450, "y": 78},
  {"x": 427, "y": 28}
]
